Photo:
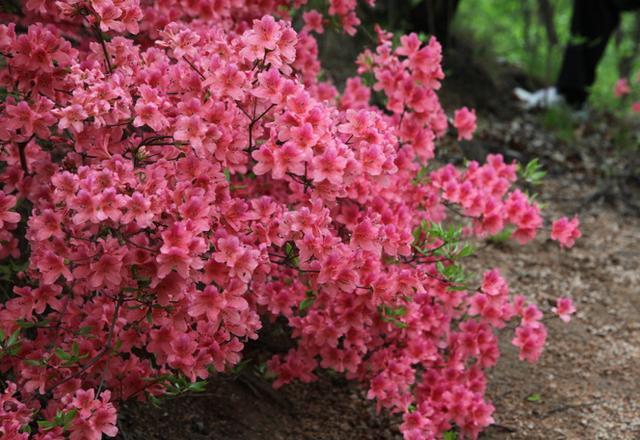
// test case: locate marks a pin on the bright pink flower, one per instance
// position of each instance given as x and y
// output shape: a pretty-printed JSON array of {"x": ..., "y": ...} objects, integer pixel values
[
  {"x": 190, "y": 129},
  {"x": 52, "y": 267},
  {"x": 245, "y": 264},
  {"x": 287, "y": 159},
  {"x": 530, "y": 340},
  {"x": 46, "y": 225},
  {"x": 229, "y": 250},
  {"x": 108, "y": 205},
  {"x": 564, "y": 309},
  {"x": 7, "y": 217},
  {"x": 329, "y": 166},
  {"x": 531, "y": 314},
  {"x": 209, "y": 303},
  {"x": 72, "y": 117},
  {"x": 84, "y": 204},
  {"x": 95, "y": 416},
  {"x": 622, "y": 88},
  {"x": 270, "y": 83},
  {"x": 138, "y": 210},
  {"x": 265, "y": 158},
  {"x": 149, "y": 114},
  {"x": 263, "y": 36},
  {"x": 106, "y": 272},
  {"x": 566, "y": 231},
  {"x": 46, "y": 295},
  {"x": 365, "y": 235},
  {"x": 493, "y": 284},
  {"x": 465, "y": 122},
  {"x": 228, "y": 81},
  {"x": 313, "y": 21},
  {"x": 22, "y": 118}
]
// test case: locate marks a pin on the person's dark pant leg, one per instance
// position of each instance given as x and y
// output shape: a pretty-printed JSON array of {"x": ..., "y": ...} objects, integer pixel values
[
  {"x": 592, "y": 24},
  {"x": 433, "y": 17}
]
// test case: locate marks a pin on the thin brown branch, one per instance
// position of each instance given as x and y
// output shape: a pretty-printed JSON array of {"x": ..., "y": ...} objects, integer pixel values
[
  {"x": 105, "y": 52},
  {"x": 193, "y": 66}
]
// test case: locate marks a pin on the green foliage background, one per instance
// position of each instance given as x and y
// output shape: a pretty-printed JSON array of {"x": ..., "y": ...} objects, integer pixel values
[{"x": 498, "y": 30}]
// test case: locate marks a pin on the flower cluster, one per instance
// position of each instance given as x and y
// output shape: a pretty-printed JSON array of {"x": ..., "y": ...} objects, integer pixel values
[
  {"x": 566, "y": 231},
  {"x": 169, "y": 193}
]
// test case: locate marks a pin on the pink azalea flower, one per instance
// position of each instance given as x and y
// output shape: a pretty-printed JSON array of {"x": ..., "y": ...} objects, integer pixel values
[
  {"x": 313, "y": 21},
  {"x": 622, "y": 88},
  {"x": 106, "y": 272},
  {"x": 566, "y": 231},
  {"x": 72, "y": 116},
  {"x": 52, "y": 267},
  {"x": 465, "y": 122},
  {"x": 8, "y": 217},
  {"x": 329, "y": 166},
  {"x": 564, "y": 309}
]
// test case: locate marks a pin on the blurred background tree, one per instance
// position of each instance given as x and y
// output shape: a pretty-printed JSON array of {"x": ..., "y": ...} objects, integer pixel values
[{"x": 532, "y": 34}]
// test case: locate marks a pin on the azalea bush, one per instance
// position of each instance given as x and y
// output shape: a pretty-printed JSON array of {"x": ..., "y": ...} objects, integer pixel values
[{"x": 174, "y": 175}]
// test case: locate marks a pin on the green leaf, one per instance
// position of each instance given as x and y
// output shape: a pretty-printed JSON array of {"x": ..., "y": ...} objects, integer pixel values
[
  {"x": 466, "y": 251},
  {"x": 198, "y": 387},
  {"x": 68, "y": 417},
  {"x": 449, "y": 435},
  {"x": 306, "y": 303},
  {"x": 155, "y": 401},
  {"x": 62, "y": 355},
  {"x": 501, "y": 236},
  {"x": 421, "y": 36},
  {"x": 240, "y": 366},
  {"x": 84, "y": 331},
  {"x": 535, "y": 397},
  {"x": 46, "y": 425},
  {"x": 13, "y": 339},
  {"x": 399, "y": 324},
  {"x": 533, "y": 172},
  {"x": 288, "y": 248},
  {"x": 227, "y": 174},
  {"x": 14, "y": 350},
  {"x": 422, "y": 176}
]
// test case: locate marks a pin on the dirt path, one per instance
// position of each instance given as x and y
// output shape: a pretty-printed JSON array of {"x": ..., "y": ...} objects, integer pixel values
[{"x": 588, "y": 379}]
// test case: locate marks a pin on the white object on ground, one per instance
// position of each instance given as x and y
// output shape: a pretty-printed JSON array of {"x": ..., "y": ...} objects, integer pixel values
[{"x": 543, "y": 98}]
